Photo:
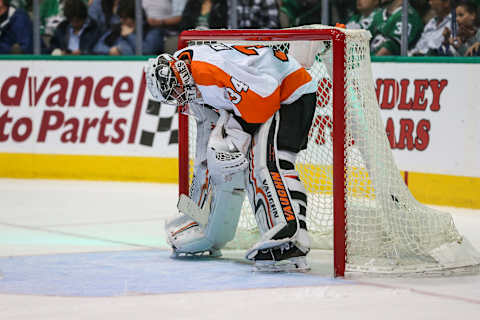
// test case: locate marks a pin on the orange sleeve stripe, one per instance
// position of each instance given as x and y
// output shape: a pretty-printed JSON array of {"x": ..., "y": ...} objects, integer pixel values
[
  {"x": 294, "y": 81},
  {"x": 253, "y": 107},
  {"x": 207, "y": 74},
  {"x": 257, "y": 109}
]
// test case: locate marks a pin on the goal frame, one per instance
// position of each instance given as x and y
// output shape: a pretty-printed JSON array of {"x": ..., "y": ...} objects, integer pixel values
[{"x": 338, "y": 40}]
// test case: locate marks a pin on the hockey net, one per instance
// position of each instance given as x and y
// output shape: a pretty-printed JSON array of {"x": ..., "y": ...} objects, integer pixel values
[{"x": 358, "y": 203}]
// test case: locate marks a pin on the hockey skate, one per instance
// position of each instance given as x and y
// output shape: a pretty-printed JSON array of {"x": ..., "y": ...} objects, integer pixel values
[
  {"x": 212, "y": 253},
  {"x": 286, "y": 257}
]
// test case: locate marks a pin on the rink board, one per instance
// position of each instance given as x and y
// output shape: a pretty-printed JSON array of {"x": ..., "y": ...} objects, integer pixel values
[{"x": 427, "y": 188}]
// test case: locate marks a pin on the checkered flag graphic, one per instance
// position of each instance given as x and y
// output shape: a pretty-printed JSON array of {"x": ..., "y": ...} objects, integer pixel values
[{"x": 162, "y": 119}]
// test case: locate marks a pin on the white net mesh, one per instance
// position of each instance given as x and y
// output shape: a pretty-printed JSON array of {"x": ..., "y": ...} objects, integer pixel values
[{"x": 388, "y": 231}]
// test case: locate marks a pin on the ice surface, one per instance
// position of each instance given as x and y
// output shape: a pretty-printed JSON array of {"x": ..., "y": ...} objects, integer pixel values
[{"x": 96, "y": 250}]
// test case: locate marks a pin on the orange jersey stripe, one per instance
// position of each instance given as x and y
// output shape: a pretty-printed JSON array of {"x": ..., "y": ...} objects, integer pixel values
[
  {"x": 292, "y": 82},
  {"x": 207, "y": 74},
  {"x": 252, "y": 107}
]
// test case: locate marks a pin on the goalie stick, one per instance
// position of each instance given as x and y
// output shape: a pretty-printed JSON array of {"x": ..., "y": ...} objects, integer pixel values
[{"x": 188, "y": 207}]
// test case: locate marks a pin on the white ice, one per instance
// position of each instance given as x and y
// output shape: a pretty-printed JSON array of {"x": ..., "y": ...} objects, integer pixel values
[{"x": 44, "y": 217}]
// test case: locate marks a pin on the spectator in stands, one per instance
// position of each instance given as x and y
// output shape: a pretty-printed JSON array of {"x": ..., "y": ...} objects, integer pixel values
[
  {"x": 16, "y": 30},
  {"x": 22, "y": 4},
  {"x": 423, "y": 8},
  {"x": 386, "y": 28},
  {"x": 363, "y": 17},
  {"x": 257, "y": 14},
  {"x": 342, "y": 10},
  {"x": 164, "y": 13},
  {"x": 51, "y": 15},
  {"x": 206, "y": 14},
  {"x": 432, "y": 35},
  {"x": 104, "y": 13},
  {"x": 466, "y": 41},
  {"x": 121, "y": 39},
  {"x": 302, "y": 12},
  {"x": 77, "y": 34}
]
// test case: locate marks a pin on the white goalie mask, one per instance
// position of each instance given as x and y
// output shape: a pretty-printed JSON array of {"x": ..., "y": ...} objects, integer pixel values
[{"x": 169, "y": 80}]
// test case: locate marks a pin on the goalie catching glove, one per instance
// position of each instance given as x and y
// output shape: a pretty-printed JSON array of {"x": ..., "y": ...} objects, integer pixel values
[{"x": 227, "y": 148}]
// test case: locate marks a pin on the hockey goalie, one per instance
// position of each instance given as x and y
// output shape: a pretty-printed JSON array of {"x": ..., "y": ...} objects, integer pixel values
[{"x": 253, "y": 106}]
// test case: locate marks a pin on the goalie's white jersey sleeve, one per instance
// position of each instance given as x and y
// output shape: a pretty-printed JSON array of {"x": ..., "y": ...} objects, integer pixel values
[{"x": 251, "y": 81}]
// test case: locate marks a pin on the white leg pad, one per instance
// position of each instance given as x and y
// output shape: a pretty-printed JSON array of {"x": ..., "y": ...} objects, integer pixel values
[{"x": 186, "y": 235}]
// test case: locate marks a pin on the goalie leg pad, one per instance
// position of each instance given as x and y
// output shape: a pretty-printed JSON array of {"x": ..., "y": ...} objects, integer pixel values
[
  {"x": 226, "y": 205},
  {"x": 278, "y": 198},
  {"x": 186, "y": 236},
  {"x": 223, "y": 206}
]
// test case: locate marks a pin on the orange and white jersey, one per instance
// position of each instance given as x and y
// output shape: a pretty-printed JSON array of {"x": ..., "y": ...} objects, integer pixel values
[{"x": 251, "y": 81}]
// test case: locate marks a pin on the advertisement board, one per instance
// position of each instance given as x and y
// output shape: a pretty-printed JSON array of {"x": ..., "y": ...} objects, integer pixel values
[
  {"x": 430, "y": 112},
  {"x": 82, "y": 107}
]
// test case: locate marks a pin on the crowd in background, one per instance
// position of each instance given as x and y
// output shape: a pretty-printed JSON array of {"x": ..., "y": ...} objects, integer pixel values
[{"x": 107, "y": 27}]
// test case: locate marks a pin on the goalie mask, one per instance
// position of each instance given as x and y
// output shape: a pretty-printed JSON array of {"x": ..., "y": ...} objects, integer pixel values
[{"x": 169, "y": 80}]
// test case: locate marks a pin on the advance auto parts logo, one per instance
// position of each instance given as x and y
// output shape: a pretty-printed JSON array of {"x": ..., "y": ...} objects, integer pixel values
[{"x": 81, "y": 110}]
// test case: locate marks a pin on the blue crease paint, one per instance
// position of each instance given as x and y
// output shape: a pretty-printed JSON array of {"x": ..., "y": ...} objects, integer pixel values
[{"x": 124, "y": 273}]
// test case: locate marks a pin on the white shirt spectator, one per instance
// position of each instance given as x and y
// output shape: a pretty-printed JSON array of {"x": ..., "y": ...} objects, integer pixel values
[
  {"x": 161, "y": 9},
  {"x": 432, "y": 36},
  {"x": 74, "y": 38}
]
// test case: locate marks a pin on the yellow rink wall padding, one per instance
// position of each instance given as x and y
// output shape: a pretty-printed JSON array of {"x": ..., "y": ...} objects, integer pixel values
[
  {"x": 445, "y": 190},
  {"x": 427, "y": 188},
  {"x": 116, "y": 168}
]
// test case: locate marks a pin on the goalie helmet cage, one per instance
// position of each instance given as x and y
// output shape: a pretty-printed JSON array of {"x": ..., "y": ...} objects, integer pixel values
[{"x": 358, "y": 203}]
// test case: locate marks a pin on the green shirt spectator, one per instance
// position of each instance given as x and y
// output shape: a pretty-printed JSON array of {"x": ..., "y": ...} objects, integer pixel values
[
  {"x": 387, "y": 29},
  {"x": 51, "y": 14},
  {"x": 363, "y": 18}
]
